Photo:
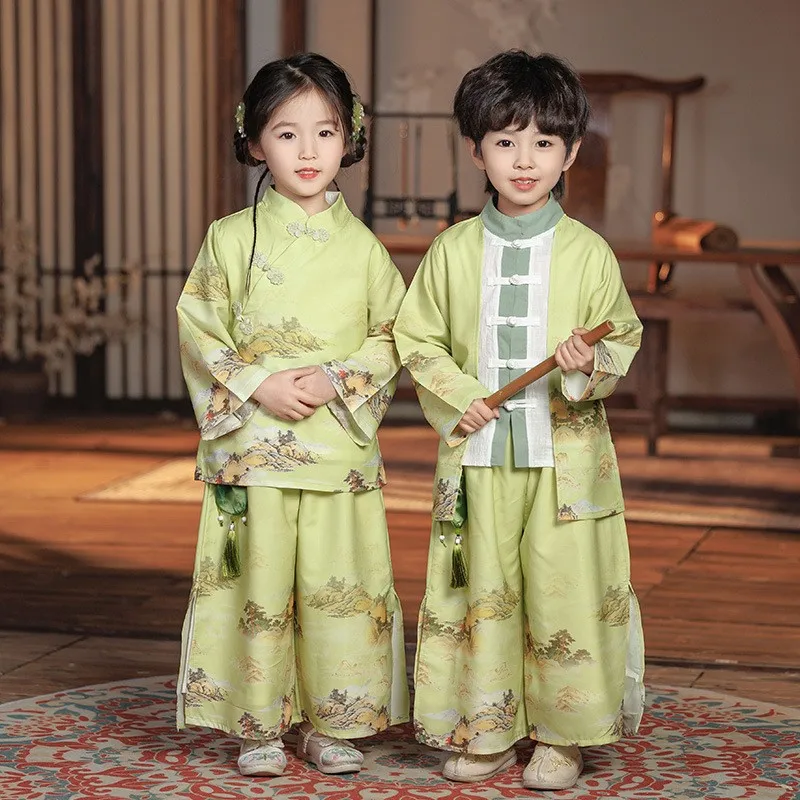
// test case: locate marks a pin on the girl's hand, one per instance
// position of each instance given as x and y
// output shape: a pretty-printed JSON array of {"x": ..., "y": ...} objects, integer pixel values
[
  {"x": 574, "y": 353},
  {"x": 283, "y": 398},
  {"x": 477, "y": 415},
  {"x": 319, "y": 384}
]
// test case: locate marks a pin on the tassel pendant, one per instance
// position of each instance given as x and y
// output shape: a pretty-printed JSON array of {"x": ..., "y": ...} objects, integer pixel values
[
  {"x": 231, "y": 501},
  {"x": 231, "y": 559},
  {"x": 459, "y": 577}
]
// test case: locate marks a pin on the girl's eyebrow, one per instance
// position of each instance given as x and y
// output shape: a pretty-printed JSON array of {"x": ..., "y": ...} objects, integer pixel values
[{"x": 283, "y": 124}]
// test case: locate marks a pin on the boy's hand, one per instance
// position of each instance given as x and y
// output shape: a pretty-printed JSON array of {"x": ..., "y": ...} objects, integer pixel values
[
  {"x": 283, "y": 398},
  {"x": 318, "y": 384},
  {"x": 477, "y": 415},
  {"x": 574, "y": 353}
]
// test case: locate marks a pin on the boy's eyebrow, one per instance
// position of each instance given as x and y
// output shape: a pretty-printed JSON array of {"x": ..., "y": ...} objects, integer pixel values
[{"x": 517, "y": 130}]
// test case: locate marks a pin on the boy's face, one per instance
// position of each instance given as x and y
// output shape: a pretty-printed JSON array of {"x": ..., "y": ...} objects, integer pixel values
[{"x": 523, "y": 165}]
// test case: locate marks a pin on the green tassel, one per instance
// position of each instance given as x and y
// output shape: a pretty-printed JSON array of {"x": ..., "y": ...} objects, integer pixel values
[
  {"x": 459, "y": 574},
  {"x": 231, "y": 559},
  {"x": 231, "y": 500}
]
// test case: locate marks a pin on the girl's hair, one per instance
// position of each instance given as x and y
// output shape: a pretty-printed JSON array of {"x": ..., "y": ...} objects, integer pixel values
[
  {"x": 516, "y": 88},
  {"x": 279, "y": 81}
]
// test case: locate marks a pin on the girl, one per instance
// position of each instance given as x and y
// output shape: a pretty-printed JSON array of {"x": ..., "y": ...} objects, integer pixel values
[{"x": 286, "y": 344}]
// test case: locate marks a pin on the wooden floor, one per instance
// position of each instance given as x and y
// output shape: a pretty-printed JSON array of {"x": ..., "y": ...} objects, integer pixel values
[{"x": 93, "y": 592}]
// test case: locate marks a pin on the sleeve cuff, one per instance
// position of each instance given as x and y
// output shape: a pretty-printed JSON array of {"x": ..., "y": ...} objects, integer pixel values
[
  {"x": 575, "y": 385},
  {"x": 247, "y": 381}
]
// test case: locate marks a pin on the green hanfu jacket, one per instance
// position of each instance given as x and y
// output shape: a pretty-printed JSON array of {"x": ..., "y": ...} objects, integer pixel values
[
  {"x": 322, "y": 291},
  {"x": 437, "y": 336}
]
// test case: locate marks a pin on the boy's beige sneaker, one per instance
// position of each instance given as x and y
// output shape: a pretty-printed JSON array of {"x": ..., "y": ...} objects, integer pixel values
[
  {"x": 472, "y": 767},
  {"x": 553, "y": 767}
]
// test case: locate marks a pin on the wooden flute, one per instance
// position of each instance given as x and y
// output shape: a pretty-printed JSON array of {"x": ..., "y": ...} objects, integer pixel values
[{"x": 518, "y": 384}]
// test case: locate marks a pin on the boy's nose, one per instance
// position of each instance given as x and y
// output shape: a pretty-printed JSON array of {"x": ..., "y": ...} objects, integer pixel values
[{"x": 524, "y": 159}]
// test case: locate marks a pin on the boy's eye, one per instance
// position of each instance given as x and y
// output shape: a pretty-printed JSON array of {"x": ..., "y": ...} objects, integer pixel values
[
  {"x": 544, "y": 143},
  {"x": 505, "y": 143}
]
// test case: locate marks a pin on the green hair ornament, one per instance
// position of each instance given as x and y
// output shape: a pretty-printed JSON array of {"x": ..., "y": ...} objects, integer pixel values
[
  {"x": 358, "y": 117},
  {"x": 239, "y": 117}
]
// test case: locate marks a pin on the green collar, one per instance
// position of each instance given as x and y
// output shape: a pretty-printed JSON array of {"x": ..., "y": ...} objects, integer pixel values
[
  {"x": 525, "y": 227},
  {"x": 319, "y": 226}
]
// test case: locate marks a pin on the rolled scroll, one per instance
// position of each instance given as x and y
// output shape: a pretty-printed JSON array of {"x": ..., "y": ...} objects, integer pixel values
[
  {"x": 698, "y": 235},
  {"x": 591, "y": 337}
]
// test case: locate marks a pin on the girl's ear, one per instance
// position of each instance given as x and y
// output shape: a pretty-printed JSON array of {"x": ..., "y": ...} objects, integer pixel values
[
  {"x": 256, "y": 151},
  {"x": 474, "y": 150},
  {"x": 572, "y": 155}
]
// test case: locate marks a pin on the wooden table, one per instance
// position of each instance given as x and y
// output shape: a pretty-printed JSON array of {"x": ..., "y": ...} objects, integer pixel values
[{"x": 761, "y": 268}]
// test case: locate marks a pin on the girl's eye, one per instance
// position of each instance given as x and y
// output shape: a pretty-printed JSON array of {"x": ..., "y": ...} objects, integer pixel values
[
  {"x": 286, "y": 135},
  {"x": 326, "y": 133}
]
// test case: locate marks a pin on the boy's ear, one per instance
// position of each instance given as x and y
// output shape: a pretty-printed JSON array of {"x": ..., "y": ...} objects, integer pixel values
[
  {"x": 475, "y": 153},
  {"x": 572, "y": 155},
  {"x": 256, "y": 151}
]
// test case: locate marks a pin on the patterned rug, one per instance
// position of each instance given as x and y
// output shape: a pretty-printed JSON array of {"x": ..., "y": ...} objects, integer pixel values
[
  {"x": 119, "y": 741},
  {"x": 693, "y": 483}
]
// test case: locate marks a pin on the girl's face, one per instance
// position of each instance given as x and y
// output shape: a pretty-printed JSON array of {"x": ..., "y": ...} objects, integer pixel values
[
  {"x": 523, "y": 165},
  {"x": 302, "y": 145}
]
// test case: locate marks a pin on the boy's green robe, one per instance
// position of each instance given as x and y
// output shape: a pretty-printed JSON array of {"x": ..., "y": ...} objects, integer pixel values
[
  {"x": 437, "y": 337},
  {"x": 545, "y": 639}
]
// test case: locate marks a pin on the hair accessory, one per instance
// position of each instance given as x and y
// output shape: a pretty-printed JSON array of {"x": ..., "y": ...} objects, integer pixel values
[
  {"x": 358, "y": 117},
  {"x": 240, "y": 119}
]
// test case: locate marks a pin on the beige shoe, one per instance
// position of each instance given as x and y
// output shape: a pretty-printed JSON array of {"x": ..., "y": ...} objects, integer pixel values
[
  {"x": 553, "y": 767},
  {"x": 473, "y": 767},
  {"x": 331, "y": 756},
  {"x": 262, "y": 758}
]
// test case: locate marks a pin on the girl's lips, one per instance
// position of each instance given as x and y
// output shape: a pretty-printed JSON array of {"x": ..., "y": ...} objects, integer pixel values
[{"x": 308, "y": 174}]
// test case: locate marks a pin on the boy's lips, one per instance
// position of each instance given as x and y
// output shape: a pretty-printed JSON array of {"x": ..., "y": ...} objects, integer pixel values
[{"x": 524, "y": 183}]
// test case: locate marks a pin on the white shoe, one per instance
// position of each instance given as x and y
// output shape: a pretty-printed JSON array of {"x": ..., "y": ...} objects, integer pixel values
[
  {"x": 553, "y": 767},
  {"x": 473, "y": 767},
  {"x": 261, "y": 758}
]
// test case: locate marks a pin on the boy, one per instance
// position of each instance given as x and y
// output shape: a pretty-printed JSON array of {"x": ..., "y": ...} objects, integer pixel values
[{"x": 545, "y": 640}]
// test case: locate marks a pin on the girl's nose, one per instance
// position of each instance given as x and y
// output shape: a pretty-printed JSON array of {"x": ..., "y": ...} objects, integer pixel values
[{"x": 308, "y": 148}]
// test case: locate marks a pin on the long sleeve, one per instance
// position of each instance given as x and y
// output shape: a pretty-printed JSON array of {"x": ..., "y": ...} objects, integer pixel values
[
  {"x": 366, "y": 380},
  {"x": 423, "y": 335},
  {"x": 614, "y": 354},
  {"x": 219, "y": 380}
]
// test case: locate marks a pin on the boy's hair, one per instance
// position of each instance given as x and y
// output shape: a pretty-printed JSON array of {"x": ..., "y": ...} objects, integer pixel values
[
  {"x": 279, "y": 81},
  {"x": 515, "y": 88}
]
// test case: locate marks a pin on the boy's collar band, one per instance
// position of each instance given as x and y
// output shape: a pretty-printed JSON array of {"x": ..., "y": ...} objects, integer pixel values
[{"x": 524, "y": 227}]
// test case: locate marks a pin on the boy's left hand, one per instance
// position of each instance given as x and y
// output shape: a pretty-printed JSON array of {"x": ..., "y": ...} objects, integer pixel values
[
  {"x": 574, "y": 353},
  {"x": 319, "y": 384}
]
